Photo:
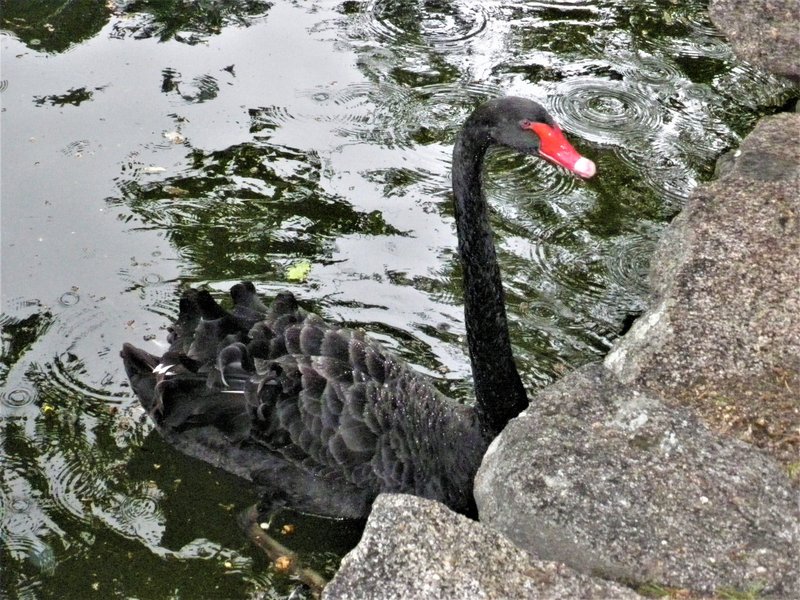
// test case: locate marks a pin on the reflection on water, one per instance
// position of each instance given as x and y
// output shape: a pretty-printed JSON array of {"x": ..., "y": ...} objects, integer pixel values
[{"x": 209, "y": 142}]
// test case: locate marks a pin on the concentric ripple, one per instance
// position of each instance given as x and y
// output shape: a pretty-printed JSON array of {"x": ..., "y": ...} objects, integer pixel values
[
  {"x": 698, "y": 46},
  {"x": 517, "y": 181},
  {"x": 698, "y": 21},
  {"x": 270, "y": 118},
  {"x": 73, "y": 484},
  {"x": 134, "y": 508},
  {"x": 67, "y": 374},
  {"x": 81, "y": 367},
  {"x": 400, "y": 181},
  {"x": 429, "y": 23},
  {"x": 393, "y": 115},
  {"x": 628, "y": 260},
  {"x": 203, "y": 88},
  {"x": 157, "y": 294},
  {"x": 139, "y": 514},
  {"x": 69, "y": 298},
  {"x": 18, "y": 396},
  {"x": 442, "y": 106},
  {"x": 463, "y": 94},
  {"x": 22, "y": 525},
  {"x": 76, "y": 148},
  {"x": 605, "y": 111},
  {"x": 568, "y": 262},
  {"x": 651, "y": 70},
  {"x": 665, "y": 167},
  {"x": 384, "y": 114},
  {"x": 753, "y": 87}
]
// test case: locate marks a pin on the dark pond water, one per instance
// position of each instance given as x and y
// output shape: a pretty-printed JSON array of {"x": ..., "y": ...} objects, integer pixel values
[{"x": 147, "y": 145}]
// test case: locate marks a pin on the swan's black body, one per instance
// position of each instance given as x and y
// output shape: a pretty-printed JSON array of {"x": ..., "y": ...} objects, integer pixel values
[{"x": 322, "y": 417}]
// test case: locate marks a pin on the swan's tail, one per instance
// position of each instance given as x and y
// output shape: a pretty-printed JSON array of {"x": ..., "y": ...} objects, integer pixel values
[
  {"x": 139, "y": 366},
  {"x": 201, "y": 379}
]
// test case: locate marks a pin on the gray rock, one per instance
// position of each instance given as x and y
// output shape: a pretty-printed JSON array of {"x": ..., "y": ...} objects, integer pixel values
[
  {"x": 416, "y": 548},
  {"x": 723, "y": 330},
  {"x": 608, "y": 472},
  {"x": 610, "y": 481},
  {"x": 763, "y": 32}
]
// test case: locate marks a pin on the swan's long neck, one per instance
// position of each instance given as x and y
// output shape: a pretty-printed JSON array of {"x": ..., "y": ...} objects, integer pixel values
[{"x": 499, "y": 392}]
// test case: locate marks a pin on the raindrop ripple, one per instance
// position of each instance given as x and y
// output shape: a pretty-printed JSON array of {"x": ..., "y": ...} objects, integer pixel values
[
  {"x": 605, "y": 111},
  {"x": 438, "y": 25}
]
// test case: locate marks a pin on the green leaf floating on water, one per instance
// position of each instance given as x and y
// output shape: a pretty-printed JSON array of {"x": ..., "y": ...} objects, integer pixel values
[{"x": 298, "y": 271}]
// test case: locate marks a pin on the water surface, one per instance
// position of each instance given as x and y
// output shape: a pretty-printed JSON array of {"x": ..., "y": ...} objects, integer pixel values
[{"x": 147, "y": 146}]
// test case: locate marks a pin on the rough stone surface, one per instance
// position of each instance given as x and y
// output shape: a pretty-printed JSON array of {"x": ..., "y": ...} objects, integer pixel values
[
  {"x": 611, "y": 481},
  {"x": 723, "y": 330},
  {"x": 763, "y": 32},
  {"x": 415, "y": 548}
]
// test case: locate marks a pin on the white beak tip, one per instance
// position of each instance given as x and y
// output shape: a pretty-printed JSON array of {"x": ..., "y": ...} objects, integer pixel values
[{"x": 584, "y": 167}]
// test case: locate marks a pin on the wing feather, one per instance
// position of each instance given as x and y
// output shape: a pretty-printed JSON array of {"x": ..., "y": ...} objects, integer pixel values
[{"x": 319, "y": 403}]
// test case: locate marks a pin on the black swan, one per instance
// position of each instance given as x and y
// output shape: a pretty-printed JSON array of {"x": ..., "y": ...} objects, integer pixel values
[{"x": 323, "y": 418}]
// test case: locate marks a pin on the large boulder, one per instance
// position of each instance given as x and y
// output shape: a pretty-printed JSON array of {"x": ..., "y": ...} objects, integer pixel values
[
  {"x": 611, "y": 481},
  {"x": 763, "y": 32},
  {"x": 415, "y": 548},
  {"x": 723, "y": 330},
  {"x": 624, "y": 468}
]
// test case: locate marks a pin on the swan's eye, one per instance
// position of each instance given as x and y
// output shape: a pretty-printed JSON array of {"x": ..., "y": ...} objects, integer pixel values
[{"x": 525, "y": 124}]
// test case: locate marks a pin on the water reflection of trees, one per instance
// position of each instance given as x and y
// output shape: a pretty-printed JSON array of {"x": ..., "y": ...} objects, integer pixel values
[
  {"x": 55, "y": 26},
  {"x": 188, "y": 22},
  {"x": 249, "y": 209}
]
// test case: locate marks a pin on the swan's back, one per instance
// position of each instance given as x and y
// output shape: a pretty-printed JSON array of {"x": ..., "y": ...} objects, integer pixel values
[{"x": 322, "y": 417}]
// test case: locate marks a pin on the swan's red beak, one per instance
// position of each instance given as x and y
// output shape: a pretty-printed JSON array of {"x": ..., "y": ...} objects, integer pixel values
[{"x": 555, "y": 148}]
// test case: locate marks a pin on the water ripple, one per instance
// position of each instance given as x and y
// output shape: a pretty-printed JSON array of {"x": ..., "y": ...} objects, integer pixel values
[
  {"x": 155, "y": 292},
  {"x": 398, "y": 181},
  {"x": 133, "y": 508},
  {"x": 69, "y": 299},
  {"x": 698, "y": 21},
  {"x": 465, "y": 95},
  {"x": 76, "y": 148},
  {"x": 202, "y": 89},
  {"x": 385, "y": 114},
  {"x": 18, "y": 396},
  {"x": 518, "y": 181},
  {"x": 665, "y": 167},
  {"x": 699, "y": 46},
  {"x": 569, "y": 261},
  {"x": 22, "y": 522},
  {"x": 566, "y": 5},
  {"x": 80, "y": 368},
  {"x": 269, "y": 118},
  {"x": 627, "y": 261},
  {"x": 391, "y": 115},
  {"x": 433, "y": 23},
  {"x": 752, "y": 88},
  {"x": 73, "y": 484},
  {"x": 443, "y": 106},
  {"x": 604, "y": 111},
  {"x": 651, "y": 70},
  {"x": 139, "y": 514}
]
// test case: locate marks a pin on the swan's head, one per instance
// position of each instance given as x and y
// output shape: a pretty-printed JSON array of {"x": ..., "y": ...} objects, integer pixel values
[{"x": 525, "y": 126}]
